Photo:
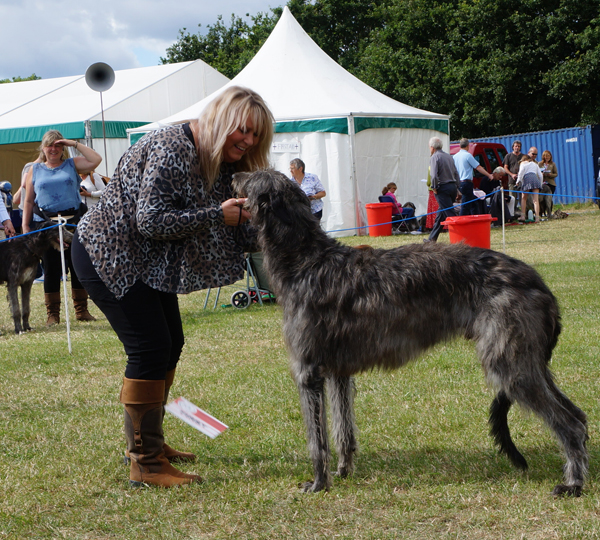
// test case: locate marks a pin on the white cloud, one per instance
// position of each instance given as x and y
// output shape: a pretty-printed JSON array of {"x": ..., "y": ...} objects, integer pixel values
[{"x": 61, "y": 38}]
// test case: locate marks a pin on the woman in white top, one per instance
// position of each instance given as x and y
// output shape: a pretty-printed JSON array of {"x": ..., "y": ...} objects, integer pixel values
[
  {"x": 529, "y": 180},
  {"x": 92, "y": 186}
]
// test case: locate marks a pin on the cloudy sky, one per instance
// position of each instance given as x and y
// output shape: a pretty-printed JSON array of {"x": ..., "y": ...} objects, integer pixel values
[{"x": 57, "y": 38}]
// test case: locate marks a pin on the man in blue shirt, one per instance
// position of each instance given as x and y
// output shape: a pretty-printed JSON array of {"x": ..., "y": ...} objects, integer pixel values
[{"x": 465, "y": 165}]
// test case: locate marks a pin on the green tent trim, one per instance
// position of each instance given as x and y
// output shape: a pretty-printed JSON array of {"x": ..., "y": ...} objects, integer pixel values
[
  {"x": 71, "y": 130},
  {"x": 340, "y": 125}
]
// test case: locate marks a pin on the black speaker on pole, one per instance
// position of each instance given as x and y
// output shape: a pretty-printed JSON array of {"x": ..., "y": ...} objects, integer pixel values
[{"x": 100, "y": 77}]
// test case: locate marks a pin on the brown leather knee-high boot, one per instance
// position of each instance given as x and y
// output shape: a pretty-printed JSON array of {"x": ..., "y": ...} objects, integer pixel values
[
  {"x": 80, "y": 303},
  {"x": 174, "y": 456},
  {"x": 143, "y": 402},
  {"x": 52, "y": 301}
]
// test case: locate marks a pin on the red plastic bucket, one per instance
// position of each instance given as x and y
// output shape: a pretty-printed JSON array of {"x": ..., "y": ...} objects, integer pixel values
[
  {"x": 379, "y": 213},
  {"x": 472, "y": 230}
]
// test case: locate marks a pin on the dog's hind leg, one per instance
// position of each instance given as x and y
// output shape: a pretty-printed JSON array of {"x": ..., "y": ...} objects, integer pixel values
[
  {"x": 13, "y": 301},
  {"x": 500, "y": 432},
  {"x": 341, "y": 392},
  {"x": 312, "y": 400},
  {"x": 26, "y": 304},
  {"x": 568, "y": 423}
]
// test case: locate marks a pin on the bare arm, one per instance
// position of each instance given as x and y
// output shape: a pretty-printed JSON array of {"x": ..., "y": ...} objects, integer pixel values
[
  {"x": 28, "y": 203},
  {"x": 89, "y": 158},
  {"x": 484, "y": 172}
]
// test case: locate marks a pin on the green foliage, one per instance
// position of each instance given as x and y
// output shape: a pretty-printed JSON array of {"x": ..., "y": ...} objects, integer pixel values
[
  {"x": 495, "y": 66},
  {"x": 226, "y": 48},
  {"x": 32, "y": 77}
]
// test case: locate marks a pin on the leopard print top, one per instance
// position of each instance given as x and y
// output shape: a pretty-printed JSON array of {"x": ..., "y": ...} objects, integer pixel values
[{"x": 157, "y": 222}]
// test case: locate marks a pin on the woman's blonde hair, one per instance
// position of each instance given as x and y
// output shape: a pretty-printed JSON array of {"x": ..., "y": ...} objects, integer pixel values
[
  {"x": 49, "y": 138},
  {"x": 547, "y": 154},
  {"x": 222, "y": 116}
]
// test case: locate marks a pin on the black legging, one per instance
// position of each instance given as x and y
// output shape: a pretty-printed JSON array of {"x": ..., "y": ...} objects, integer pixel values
[
  {"x": 53, "y": 266},
  {"x": 147, "y": 321}
]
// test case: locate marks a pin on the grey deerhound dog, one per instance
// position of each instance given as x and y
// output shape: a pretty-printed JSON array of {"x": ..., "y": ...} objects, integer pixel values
[
  {"x": 349, "y": 310},
  {"x": 19, "y": 260}
]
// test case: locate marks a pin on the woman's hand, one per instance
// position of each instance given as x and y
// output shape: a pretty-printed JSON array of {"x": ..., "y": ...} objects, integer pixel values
[{"x": 233, "y": 213}]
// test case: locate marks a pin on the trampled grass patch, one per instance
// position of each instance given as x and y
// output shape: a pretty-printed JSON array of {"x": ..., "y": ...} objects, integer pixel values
[{"x": 426, "y": 468}]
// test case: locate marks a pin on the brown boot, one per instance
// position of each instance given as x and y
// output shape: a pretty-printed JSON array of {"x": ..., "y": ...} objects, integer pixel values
[
  {"x": 52, "y": 301},
  {"x": 80, "y": 303},
  {"x": 174, "y": 456},
  {"x": 143, "y": 402}
]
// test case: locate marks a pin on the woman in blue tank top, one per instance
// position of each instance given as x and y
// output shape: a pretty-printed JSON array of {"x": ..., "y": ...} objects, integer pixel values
[{"x": 52, "y": 187}]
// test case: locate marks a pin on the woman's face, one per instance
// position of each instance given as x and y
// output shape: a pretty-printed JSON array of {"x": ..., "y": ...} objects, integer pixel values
[
  {"x": 239, "y": 142},
  {"x": 53, "y": 152},
  {"x": 393, "y": 189}
]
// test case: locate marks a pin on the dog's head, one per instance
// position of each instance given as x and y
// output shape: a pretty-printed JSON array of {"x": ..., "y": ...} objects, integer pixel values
[
  {"x": 49, "y": 237},
  {"x": 272, "y": 196}
]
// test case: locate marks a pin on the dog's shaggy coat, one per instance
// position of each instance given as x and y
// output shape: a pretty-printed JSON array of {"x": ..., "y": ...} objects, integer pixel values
[
  {"x": 19, "y": 260},
  {"x": 349, "y": 310}
]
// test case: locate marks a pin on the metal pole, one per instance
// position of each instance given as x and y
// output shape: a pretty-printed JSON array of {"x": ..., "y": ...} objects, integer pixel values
[
  {"x": 61, "y": 223},
  {"x": 503, "y": 221},
  {"x": 104, "y": 135}
]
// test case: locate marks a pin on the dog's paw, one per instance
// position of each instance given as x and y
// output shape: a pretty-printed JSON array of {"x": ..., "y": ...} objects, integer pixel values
[
  {"x": 314, "y": 487},
  {"x": 344, "y": 472},
  {"x": 563, "y": 490}
]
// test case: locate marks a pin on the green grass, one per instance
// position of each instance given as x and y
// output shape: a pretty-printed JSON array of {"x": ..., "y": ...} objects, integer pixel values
[{"x": 426, "y": 467}]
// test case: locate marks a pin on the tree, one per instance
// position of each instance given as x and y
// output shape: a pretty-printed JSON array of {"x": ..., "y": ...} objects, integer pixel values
[
  {"x": 226, "y": 48},
  {"x": 32, "y": 77},
  {"x": 495, "y": 66}
]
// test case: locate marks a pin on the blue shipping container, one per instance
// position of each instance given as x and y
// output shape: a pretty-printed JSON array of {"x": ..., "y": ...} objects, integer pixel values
[{"x": 575, "y": 152}]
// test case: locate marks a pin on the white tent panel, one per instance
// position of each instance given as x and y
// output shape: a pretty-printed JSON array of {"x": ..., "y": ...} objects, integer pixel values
[
  {"x": 394, "y": 155},
  {"x": 19, "y": 94},
  {"x": 137, "y": 95},
  {"x": 318, "y": 110},
  {"x": 328, "y": 156}
]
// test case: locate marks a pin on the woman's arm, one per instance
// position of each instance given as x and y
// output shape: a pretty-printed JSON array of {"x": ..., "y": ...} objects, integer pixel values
[
  {"x": 166, "y": 207},
  {"x": 89, "y": 158},
  {"x": 28, "y": 203}
]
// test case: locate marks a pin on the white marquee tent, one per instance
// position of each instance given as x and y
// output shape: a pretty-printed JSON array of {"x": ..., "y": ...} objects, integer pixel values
[
  {"x": 28, "y": 109},
  {"x": 353, "y": 137}
]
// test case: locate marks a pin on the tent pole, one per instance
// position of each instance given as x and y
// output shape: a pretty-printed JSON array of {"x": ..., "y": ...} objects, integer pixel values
[{"x": 358, "y": 222}]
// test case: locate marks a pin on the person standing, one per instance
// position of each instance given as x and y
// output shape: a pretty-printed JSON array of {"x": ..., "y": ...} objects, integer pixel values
[
  {"x": 549, "y": 170},
  {"x": 465, "y": 165},
  {"x": 52, "y": 188},
  {"x": 311, "y": 185},
  {"x": 168, "y": 223},
  {"x": 529, "y": 180},
  {"x": 444, "y": 184},
  {"x": 5, "y": 220},
  {"x": 511, "y": 166},
  {"x": 91, "y": 188}
]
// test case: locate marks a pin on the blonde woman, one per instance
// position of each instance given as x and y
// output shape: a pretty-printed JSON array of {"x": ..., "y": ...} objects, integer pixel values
[
  {"x": 168, "y": 223},
  {"x": 549, "y": 170},
  {"x": 52, "y": 188}
]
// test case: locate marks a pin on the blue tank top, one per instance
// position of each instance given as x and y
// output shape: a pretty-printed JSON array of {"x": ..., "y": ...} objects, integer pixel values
[{"x": 56, "y": 190}]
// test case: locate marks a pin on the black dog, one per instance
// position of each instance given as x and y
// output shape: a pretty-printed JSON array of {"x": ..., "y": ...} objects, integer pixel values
[
  {"x": 19, "y": 260},
  {"x": 349, "y": 310}
]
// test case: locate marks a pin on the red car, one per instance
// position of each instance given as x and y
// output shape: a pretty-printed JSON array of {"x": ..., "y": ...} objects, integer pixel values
[{"x": 488, "y": 155}]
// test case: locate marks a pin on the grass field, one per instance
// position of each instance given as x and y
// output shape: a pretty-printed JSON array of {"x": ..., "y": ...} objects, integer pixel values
[{"x": 426, "y": 468}]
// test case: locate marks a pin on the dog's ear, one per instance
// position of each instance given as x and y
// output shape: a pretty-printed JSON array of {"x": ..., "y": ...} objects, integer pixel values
[{"x": 239, "y": 182}]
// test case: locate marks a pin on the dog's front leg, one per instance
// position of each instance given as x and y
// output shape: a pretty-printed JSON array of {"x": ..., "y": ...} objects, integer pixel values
[
  {"x": 13, "y": 301},
  {"x": 341, "y": 392},
  {"x": 311, "y": 386}
]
